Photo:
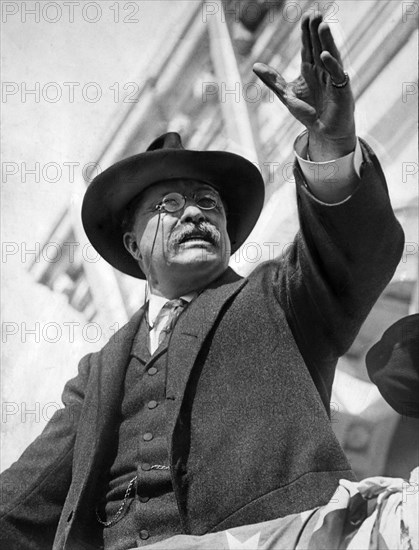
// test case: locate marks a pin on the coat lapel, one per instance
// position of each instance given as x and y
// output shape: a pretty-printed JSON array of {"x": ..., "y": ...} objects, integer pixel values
[
  {"x": 103, "y": 400},
  {"x": 113, "y": 364},
  {"x": 189, "y": 335}
]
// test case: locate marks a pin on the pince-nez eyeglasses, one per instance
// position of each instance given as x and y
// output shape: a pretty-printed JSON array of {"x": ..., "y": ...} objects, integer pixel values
[{"x": 173, "y": 202}]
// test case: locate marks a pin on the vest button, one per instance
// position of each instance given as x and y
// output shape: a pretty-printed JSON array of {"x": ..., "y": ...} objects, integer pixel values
[
  {"x": 152, "y": 370},
  {"x": 144, "y": 499},
  {"x": 145, "y": 466},
  {"x": 152, "y": 404},
  {"x": 144, "y": 534},
  {"x": 148, "y": 436}
]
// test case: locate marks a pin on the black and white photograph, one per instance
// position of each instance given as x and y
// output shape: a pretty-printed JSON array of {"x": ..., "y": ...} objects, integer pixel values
[{"x": 209, "y": 275}]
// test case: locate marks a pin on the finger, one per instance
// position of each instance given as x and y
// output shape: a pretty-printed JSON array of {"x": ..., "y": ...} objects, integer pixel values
[
  {"x": 327, "y": 41},
  {"x": 333, "y": 67},
  {"x": 306, "y": 50},
  {"x": 271, "y": 78},
  {"x": 314, "y": 37}
]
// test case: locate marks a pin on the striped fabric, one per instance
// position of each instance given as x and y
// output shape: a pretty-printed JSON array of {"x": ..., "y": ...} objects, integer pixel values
[
  {"x": 377, "y": 513},
  {"x": 167, "y": 318}
]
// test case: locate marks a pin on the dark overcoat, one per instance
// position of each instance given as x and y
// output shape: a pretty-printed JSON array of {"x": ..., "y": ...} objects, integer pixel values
[{"x": 250, "y": 370}]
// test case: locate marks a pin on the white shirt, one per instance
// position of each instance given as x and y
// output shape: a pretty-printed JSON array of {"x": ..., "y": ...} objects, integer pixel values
[{"x": 334, "y": 180}]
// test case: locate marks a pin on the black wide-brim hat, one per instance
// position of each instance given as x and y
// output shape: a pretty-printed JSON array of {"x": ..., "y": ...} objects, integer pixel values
[
  {"x": 238, "y": 181},
  {"x": 393, "y": 365}
]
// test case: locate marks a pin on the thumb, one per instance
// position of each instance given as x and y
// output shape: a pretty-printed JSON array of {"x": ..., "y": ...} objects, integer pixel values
[{"x": 271, "y": 78}]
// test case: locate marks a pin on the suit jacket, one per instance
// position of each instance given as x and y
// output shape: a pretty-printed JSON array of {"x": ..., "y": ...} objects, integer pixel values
[{"x": 251, "y": 366}]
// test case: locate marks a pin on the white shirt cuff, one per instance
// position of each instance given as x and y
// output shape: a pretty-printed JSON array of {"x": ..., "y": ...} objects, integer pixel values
[{"x": 331, "y": 181}]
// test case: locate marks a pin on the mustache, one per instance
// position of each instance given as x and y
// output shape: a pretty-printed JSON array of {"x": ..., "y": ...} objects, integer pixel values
[{"x": 203, "y": 230}]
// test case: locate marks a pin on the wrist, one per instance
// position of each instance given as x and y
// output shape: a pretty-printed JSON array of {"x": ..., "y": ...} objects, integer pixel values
[{"x": 322, "y": 149}]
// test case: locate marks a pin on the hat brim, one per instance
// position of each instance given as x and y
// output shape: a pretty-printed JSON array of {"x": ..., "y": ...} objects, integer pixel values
[{"x": 238, "y": 181}]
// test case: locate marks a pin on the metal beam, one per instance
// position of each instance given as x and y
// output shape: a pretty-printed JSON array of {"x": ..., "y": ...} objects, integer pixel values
[{"x": 230, "y": 87}]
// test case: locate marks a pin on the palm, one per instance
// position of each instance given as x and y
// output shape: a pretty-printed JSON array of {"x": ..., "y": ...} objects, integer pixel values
[{"x": 313, "y": 104}]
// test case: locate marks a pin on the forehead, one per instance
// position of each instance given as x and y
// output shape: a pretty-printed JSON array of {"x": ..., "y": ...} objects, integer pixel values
[{"x": 184, "y": 186}]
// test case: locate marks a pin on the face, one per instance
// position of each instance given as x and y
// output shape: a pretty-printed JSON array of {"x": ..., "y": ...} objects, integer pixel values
[{"x": 179, "y": 251}]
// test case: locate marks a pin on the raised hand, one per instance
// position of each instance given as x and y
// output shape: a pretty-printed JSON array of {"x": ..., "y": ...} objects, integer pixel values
[{"x": 321, "y": 97}]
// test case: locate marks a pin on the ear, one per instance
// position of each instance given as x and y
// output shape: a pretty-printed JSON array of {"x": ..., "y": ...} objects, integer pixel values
[{"x": 130, "y": 243}]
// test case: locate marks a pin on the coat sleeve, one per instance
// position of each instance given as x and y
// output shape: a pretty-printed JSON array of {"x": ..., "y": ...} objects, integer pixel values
[
  {"x": 341, "y": 260},
  {"x": 34, "y": 488}
]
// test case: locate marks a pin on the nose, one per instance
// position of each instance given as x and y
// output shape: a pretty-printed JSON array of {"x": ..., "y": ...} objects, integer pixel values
[{"x": 191, "y": 213}]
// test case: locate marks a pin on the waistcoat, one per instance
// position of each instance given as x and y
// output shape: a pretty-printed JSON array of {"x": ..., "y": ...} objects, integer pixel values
[{"x": 150, "y": 512}]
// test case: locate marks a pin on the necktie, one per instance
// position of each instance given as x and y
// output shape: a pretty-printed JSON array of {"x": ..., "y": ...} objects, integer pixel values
[{"x": 168, "y": 316}]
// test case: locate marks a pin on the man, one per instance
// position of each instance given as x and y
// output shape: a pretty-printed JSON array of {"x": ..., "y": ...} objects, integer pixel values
[{"x": 209, "y": 409}]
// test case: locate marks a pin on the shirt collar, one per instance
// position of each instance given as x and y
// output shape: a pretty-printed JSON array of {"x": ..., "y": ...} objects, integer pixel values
[{"x": 155, "y": 304}]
